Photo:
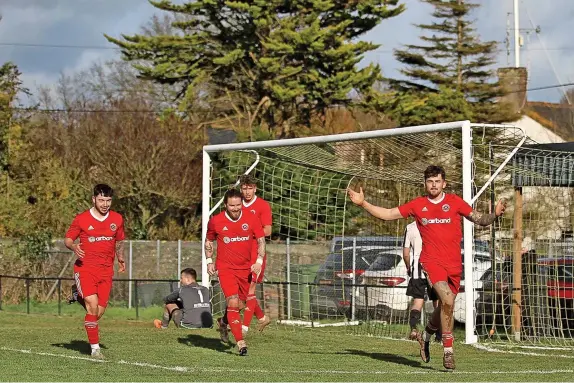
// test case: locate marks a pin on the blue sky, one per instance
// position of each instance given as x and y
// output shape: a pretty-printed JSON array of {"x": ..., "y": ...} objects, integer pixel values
[{"x": 83, "y": 22}]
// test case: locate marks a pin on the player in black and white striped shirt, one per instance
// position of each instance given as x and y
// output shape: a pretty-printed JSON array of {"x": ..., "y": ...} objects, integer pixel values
[{"x": 418, "y": 288}]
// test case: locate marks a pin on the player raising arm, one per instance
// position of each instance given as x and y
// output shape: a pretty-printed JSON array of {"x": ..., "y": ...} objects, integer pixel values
[
  {"x": 101, "y": 233},
  {"x": 438, "y": 219},
  {"x": 233, "y": 231}
]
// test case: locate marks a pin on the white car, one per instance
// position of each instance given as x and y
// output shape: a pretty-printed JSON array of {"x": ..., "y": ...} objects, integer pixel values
[{"x": 383, "y": 293}]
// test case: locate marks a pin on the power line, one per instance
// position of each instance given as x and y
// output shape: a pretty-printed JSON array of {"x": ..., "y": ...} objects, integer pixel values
[
  {"x": 102, "y": 47},
  {"x": 203, "y": 112},
  {"x": 67, "y": 46}
]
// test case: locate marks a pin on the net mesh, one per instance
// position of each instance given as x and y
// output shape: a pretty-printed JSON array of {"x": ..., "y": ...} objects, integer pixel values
[{"x": 329, "y": 262}]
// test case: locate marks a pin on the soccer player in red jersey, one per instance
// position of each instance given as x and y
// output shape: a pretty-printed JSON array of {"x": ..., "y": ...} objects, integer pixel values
[
  {"x": 101, "y": 233},
  {"x": 252, "y": 204},
  {"x": 439, "y": 223},
  {"x": 234, "y": 231}
]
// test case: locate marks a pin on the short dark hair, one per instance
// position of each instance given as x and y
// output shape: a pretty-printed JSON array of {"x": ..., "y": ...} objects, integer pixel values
[
  {"x": 247, "y": 179},
  {"x": 433, "y": 171},
  {"x": 103, "y": 190},
  {"x": 191, "y": 272},
  {"x": 231, "y": 193}
]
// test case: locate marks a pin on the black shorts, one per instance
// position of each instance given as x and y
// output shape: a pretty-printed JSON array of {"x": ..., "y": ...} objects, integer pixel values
[{"x": 420, "y": 289}]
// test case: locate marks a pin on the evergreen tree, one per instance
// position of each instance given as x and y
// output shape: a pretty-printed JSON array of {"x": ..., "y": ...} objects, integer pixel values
[
  {"x": 276, "y": 62},
  {"x": 10, "y": 86},
  {"x": 452, "y": 56}
]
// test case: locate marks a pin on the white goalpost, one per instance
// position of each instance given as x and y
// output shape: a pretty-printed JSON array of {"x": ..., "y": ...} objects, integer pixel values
[{"x": 324, "y": 252}]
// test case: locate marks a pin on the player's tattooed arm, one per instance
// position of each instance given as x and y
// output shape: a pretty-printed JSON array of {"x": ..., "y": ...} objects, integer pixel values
[
  {"x": 481, "y": 218},
  {"x": 261, "y": 247},
  {"x": 120, "y": 256},
  {"x": 487, "y": 219},
  {"x": 208, "y": 248},
  {"x": 120, "y": 250}
]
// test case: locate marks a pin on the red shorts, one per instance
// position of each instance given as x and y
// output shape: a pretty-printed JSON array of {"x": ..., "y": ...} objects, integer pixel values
[
  {"x": 440, "y": 273},
  {"x": 254, "y": 277},
  {"x": 94, "y": 281},
  {"x": 234, "y": 282}
]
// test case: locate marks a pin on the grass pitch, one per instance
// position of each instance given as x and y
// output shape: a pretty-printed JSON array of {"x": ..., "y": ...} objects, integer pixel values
[{"x": 45, "y": 347}]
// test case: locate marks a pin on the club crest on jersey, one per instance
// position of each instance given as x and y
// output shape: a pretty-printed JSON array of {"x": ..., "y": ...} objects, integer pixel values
[
  {"x": 445, "y": 207},
  {"x": 113, "y": 227},
  {"x": 245, "y": 226},
  {"x": 253, "y": 211}
]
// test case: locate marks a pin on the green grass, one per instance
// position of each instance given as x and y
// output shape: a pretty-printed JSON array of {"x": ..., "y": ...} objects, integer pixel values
[{"x": 43, "y": 347}]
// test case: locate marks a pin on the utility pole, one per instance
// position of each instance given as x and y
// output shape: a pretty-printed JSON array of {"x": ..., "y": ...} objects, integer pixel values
[{"x": 516, "y": 36}]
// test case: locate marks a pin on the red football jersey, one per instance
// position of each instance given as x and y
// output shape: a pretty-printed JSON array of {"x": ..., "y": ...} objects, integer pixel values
[
  {"x": 439, "y": 223},
  {"x": 262, "y": 210},
  {"x": 97, "y": 237},
  {"x": 234, "y": 239}
]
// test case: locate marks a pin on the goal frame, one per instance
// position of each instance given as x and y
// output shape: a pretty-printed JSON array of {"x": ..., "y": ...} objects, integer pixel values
[{"x": 465, "y": 127}]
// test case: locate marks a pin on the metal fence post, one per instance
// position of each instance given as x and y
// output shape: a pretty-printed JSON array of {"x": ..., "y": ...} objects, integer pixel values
[
  {"x": 136, "y": 299},
  {"x": 354, "y": 279},
  {"x": 130, "y": 277},
  {"x": 158, "y": 247},
  {"x": 27, "y": 296},
  {"x": 288, "y": 279},
  {"x": 178, "y": 260},
  {"x": 59, "y": 296}
]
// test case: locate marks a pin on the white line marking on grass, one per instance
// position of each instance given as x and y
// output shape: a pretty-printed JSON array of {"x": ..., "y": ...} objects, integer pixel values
[
  {"x": 52, "y": 354},
  {"x": 263, "y": 371},
  {"x": 491, "y": 349}
]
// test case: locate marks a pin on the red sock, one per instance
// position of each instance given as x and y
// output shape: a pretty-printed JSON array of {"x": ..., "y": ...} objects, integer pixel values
[
  {"x": 259, "y": 314},
  {"x": 447, "y": 339},
  {"x": 249, "y": 309},
  {"x": 91, "y": 325},
  {"x": 235, "y": 322}
]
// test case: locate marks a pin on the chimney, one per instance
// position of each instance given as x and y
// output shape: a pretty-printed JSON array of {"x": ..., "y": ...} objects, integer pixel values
[{"x": 513, "y": 82}]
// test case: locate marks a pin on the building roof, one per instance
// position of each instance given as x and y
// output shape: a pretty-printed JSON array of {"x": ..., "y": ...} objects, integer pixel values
[{"x": 557, "y": 117}]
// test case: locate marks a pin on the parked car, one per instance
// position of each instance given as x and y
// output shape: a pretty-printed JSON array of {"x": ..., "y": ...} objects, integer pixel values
[
  {"x": 547, "y": 293},
  {"x": 386, "y": 280},
  {"x": 385, "y": 241},
  {"x": 332, "y": 294},
  {"x": 558, "y": 276}
]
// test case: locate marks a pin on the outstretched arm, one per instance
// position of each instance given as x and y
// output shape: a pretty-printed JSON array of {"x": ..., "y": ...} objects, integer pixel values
[
  {"x": 487, "y": 219},
  {"x": 358, "y": 199}
]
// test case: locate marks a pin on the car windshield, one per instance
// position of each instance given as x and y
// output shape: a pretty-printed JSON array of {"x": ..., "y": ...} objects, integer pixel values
[
  {"x": 344, "y": 260},
  {"x": 386, "y": 261},
  {"x": 367, "y": 242},
  {"x": 564, "y": 272}
]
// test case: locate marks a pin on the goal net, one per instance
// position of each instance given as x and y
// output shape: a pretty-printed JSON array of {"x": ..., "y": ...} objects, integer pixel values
[{"x": 330, "y": 263}]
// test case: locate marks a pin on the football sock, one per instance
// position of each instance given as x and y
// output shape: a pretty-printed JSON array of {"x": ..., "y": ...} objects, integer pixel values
[
  {"x": 414, "y": 318},
  {"x": 447, "y": 340},
  {"x": 252, "y": 308},
  {"x": 430, "y": 329},
  {"x": 235, "y": 323},
  {"x": 91, "y": 325},
  {"x": 165, "y": 319}
]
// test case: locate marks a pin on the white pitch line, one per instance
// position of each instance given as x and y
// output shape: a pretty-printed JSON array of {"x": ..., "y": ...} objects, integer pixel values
[
  {"x": 491, "y": 349},
  {"x": 263, "y": 371},
  {"x": 52, "y": 354}
]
